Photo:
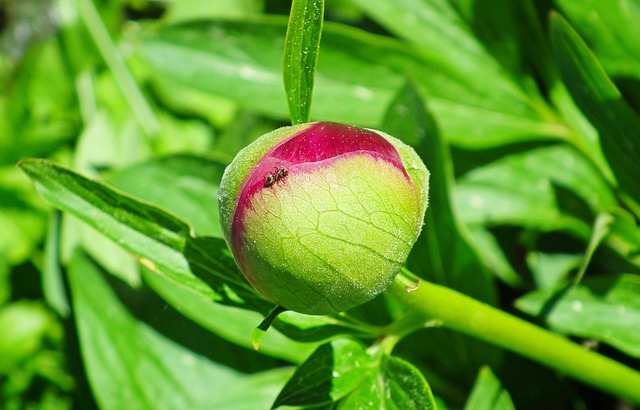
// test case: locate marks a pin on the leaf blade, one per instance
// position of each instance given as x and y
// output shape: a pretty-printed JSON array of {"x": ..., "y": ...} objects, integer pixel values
[
  {"x": 443, "y": 253},
  {"x": 605, "y": 307},
  {"x": 331, "y": 372},
  {"x": 443, "y": 235},
  {"x": 602, "y": 103},
  {"x": 408, "y": 387},
  {"x": 393, "y": 384},
  {"x": 158, "y": 239},
  {"x": 301, "y": 47},
  {"x": 52, "y": 179},
  {"x": 488, "y": 393},
  {"x": 132, "y": 365},
  {"x": 358, "y": 74}
]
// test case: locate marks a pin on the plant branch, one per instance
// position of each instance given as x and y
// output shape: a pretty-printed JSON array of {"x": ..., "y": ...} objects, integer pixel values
[{"x": 459, "y": 312}]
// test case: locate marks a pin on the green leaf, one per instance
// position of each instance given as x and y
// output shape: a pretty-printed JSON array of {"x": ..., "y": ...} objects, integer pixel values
[
  {"x": 230, "y": 323},
  {"x": 301, "y": 56},
  {"x": 357, "y": 76},
  {"x": 131, "y": 365},
  {"x": 493, "y": 255},
  {"x": 142, "y": 229},
  {"x": 330, "y": 373},
  {"x": 158, "y": 239},
  {"x": 602, "y": 103},
  {"x": 611, "y": 30},
  {"x": 443, "y": 253},
  {"x": 395, "y": 384},
  {"x": 183, "y": 184},
  {"x": 407, "y": 387},
  {"x": 38, "y": 113},
  {"x": 52, "y": 275},
  {"x": 549, "y": 270},
  {"x": 26, "y": 324},
  {"x": 72, "y": 192},
  {"x": 488, "y": 393},
  {"x": 624, "y": 235},
  {"x": 601, "y": 228},
  {"x": 605, "y": 308},
  {"x": 447, "y": 44},
  {"x": 516, "y": 190}
]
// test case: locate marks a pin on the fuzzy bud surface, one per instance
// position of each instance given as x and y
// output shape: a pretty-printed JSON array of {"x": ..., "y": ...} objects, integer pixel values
[{"x": 320, "y": 217}]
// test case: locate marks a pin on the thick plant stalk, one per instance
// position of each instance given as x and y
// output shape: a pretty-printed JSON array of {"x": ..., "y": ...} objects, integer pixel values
[{"x": 430, "y": 302}]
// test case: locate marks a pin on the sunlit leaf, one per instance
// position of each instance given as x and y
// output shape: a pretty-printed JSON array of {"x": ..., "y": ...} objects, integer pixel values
[
  {"x": 357, "y": 76},
  {"x": 330, "y": 373},
  {"x": 488, "y": 393},
  {"x": 394, "y": 384},
  {"x": 301, "y": 56},
  {"x": 158, "y": 239},
  {"x": 610, "y": 29},
  {"x": 183, "y": 184},
  {"x": 131, "y": 365},
  {"x": 521, "y": 189},
  {"x": 605, "y": 308},
  {"x": 442, "y": 253},
  {"x": 602, "y": 103}
]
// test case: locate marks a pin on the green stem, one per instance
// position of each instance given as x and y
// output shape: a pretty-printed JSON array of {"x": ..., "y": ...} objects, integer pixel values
[
  {"x": 125, "y": 81},
  {"x": 458, "y": 312},
  {"x": 262, "y": 328}
]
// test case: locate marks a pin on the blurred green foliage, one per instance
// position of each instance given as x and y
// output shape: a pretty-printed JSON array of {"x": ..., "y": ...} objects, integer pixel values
[{"x": 539, "y": 116}]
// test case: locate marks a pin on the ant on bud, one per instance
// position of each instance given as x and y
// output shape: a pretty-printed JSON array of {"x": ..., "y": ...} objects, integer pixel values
[{"x": 275, "y": 176}]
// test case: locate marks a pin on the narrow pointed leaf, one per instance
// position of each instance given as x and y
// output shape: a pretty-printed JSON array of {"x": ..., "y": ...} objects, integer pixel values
[
  {"x": 116, "y": 213},
  {"x": 185, "y": 185},
  {"x": 611, "y": 29},
  {"x": 157, "y": 238},
  {"x": 488, "y": 393},
  {"x": 602, "y": 103},
  {"x": 132, "y": 365},
  {"x": 301, "y": 56},
  {"x": 601, "y": 228}
]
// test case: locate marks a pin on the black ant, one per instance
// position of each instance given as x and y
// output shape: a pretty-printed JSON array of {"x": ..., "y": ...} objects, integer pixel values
[{"x": 275, "y": 176}]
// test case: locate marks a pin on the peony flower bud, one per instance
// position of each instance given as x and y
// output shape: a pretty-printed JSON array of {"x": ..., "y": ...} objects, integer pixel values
[{"x": 320, "y": 217}]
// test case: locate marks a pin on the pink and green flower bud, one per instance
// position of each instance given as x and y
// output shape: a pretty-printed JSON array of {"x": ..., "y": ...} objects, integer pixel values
[{"x": 321, "y": 217}]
